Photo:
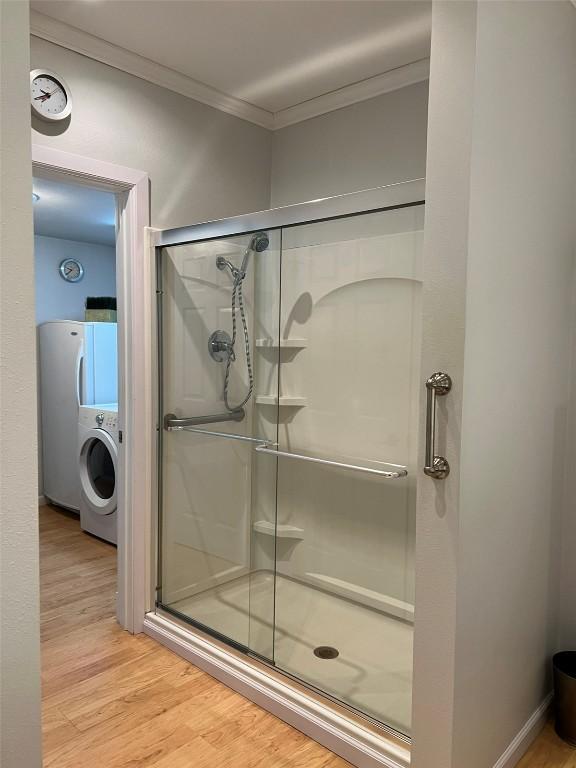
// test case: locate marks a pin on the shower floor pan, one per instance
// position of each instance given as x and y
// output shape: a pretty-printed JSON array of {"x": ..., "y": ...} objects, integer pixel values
[{"x": 372, "y": 671}]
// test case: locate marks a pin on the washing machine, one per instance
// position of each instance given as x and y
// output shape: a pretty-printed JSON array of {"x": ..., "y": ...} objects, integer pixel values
[{"x": 98, "y": 464}]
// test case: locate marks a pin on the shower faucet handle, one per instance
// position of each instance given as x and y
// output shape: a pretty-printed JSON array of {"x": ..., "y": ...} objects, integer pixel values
[{"x": 220, "y": 347}]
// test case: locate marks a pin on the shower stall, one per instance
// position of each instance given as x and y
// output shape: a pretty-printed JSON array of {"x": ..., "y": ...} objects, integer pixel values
[{"x": 289, "y": 386}]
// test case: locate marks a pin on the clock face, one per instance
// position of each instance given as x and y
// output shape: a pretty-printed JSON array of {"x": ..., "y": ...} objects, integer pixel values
[
  {"x": 49, "y": 96},
  {"x": 71, "y": 270}
]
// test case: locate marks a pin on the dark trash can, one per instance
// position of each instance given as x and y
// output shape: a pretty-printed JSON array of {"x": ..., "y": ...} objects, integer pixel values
[{"x": 564, "y": 664}]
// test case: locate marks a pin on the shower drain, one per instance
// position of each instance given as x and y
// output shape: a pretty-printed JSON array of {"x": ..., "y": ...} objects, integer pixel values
[{"x": 326, "y": 652}]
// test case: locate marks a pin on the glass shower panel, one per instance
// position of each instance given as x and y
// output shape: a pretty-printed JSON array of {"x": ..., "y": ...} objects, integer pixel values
[
  {"x": 349, "y": 341},
  {"x": 218, "y": 496}
]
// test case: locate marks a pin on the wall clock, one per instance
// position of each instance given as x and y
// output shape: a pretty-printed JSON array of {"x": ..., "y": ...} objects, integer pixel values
[
  {"x": 49, "y": 95},
  {"x": 71, "y": 270}
]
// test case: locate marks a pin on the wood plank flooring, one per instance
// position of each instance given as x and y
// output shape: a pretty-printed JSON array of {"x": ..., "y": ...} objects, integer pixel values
[
  {"x": 112, "y": 700},
  {"x": 549, "y": 751}
]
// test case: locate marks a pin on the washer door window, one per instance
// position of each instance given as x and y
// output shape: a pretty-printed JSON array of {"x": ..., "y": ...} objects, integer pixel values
[{"x": 98, "y": 471}]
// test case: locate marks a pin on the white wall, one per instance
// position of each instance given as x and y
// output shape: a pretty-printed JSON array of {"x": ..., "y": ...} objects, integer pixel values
[
  {"x": 450, "y": 129},
  {"x": 517, "y": 370},
  {"x": 500, "y": 199},
  {"x": 202, "y": 163},
  {"x": 19, "y": 631},
  {"x": 370, "y": 144},
  {"x": 55, "y": 298}
]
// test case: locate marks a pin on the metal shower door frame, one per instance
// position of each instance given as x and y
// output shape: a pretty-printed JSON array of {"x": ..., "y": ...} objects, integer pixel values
[
  {"x": 378, "y": 199},
  {"x": 392, "y": 197},
  {"x": 401, "y": 195}
]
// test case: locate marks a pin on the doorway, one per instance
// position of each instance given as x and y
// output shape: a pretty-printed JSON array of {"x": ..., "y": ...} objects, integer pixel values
[
  {"x": 76, "y": 317},
  {"x": 108, "y": 466}
]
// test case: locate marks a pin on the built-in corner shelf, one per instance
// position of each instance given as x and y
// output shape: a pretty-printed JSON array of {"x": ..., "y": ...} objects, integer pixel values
[
  {"x": 285, "y": 400},
  {"x": 283, "y": 344},
  {"x": 280, "y": 531}
]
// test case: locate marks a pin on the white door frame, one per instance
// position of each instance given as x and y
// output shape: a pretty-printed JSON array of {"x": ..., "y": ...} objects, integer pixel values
[{"x": 135, "y": 289}]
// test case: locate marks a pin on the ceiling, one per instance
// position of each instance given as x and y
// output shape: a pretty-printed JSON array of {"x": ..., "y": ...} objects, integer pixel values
[
  {"x": 74, "y": 212},
  {"x": 272, "y": 54}
]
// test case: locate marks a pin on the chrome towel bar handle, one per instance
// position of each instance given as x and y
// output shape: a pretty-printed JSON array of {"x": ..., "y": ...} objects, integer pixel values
[
  {"x": 395, "y": 471},
  {"x": 438, "y": 385},
  {"x": 225, "y": 435}
]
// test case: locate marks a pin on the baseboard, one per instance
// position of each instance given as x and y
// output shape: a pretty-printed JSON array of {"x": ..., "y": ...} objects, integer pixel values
[
  {"x": 42, "y": 501},
  {"x": 529, "y": 731},
  {"x": 358, "y": 744}
]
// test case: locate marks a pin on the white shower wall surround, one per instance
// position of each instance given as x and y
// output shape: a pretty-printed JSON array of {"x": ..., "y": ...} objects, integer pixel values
[
  {"x": 355, "y": 303},
  {"x": 334, "y": 321}
]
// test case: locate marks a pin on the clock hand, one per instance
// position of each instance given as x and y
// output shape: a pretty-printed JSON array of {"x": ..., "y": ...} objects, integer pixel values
[{"x": 46, "y": 94}]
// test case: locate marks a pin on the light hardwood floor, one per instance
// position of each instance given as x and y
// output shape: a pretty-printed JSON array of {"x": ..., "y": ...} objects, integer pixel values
[
  {"x": 548, "y": 751},
  {"x": 112, "y": 700}
]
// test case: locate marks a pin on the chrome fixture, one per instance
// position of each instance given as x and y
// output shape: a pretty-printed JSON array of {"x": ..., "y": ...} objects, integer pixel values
[
  {"x": 220, "y": 345},
  {"x": 258, "y": 243},
  {"x": 172, "y": 422},
  {"x": 438, "y": 385},
  {"x": 395, "y": 471},
  {"x": 226, "y": 435},
  {"x": 392, "y": 196},
  {"x": 326, "y": 652}
]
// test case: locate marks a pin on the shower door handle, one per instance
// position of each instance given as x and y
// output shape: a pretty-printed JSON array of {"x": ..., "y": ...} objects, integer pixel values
[
  {"x": 438, "y": 385},
  {"x": 396, "y": 470}
]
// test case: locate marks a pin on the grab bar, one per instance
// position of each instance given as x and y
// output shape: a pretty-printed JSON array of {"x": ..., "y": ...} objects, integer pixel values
[
  {"x": 438, "y": 385},
  {"x": 227, "y": 435},
  {"x": 172, "y": 422},
  {"x": 399, "y": 471}
]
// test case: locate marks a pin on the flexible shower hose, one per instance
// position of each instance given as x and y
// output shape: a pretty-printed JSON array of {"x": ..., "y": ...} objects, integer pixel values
[{"x": 237, "y": 294}]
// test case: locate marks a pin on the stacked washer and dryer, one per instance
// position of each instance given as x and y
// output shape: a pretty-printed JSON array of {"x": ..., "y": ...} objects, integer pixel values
[{"x": 79, "y": 386}]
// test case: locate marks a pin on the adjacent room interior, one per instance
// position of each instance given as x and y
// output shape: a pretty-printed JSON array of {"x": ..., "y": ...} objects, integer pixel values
[{"x": 76, "y": 317}]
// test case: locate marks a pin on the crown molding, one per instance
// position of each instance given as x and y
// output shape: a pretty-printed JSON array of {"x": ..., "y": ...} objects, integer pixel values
[
  {"x": 94, "y": 47},
  {"x": 392, "y": 80},
  {"x": 74, "y": 39}
]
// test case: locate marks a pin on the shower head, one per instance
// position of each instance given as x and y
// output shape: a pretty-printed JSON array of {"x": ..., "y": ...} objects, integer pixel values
[{"x": 259, "y": 242}]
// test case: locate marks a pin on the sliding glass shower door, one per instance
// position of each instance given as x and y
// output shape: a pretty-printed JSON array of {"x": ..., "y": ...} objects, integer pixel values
[
  {"x": 213, "y": 569},
  {"x": 289, "y": 401},
  {"x": 344, "y": 609}
]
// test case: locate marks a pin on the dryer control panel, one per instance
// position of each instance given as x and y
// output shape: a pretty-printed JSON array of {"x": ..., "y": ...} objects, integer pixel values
[
  {"x": 106, "y": 420},
  {"x": 98, "y": 418}
]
